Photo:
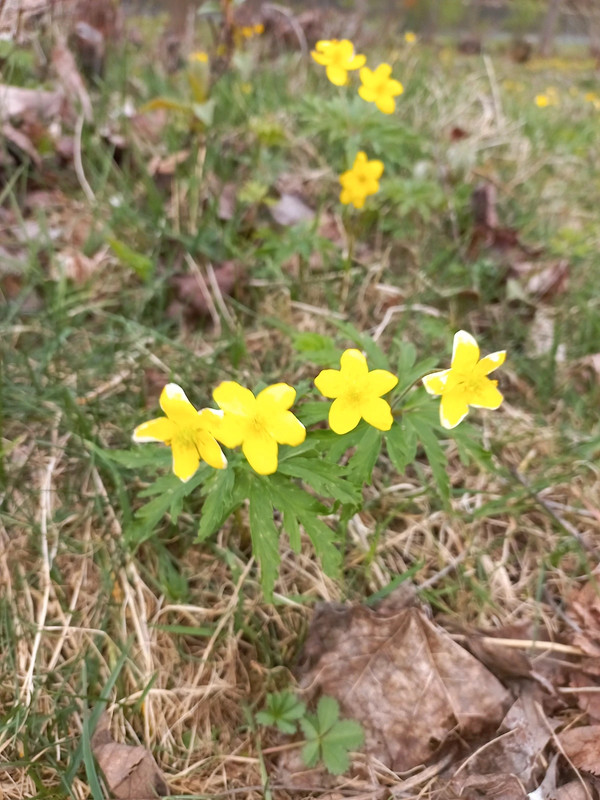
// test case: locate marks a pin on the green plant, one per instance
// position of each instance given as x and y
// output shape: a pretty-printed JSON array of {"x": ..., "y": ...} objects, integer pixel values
[{"x": 327, "y": 738}]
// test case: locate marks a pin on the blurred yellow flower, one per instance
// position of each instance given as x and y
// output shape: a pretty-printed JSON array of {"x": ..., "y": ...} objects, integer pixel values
[
  {"x": 379, "y": 88},
  {"x": 542, "y": 100},
  {"x": 465, "y": 383},
  {"x": 339, "y": 57},
  {"x": 200, "y": 56},
  {"x": 259, "y": 424},
  {"x": 547, "y": 98},
  {"x": 360, "y": 181},
  {"x": 189, "y": 433},
  {"x": 410, "y": 37},
  {"x": 357, "y": 392}
]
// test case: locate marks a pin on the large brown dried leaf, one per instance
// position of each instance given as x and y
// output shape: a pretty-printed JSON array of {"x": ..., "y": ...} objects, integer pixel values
[
  {"x": 16, "y": 102},
  {"x": 403, "y": 677},
  {"x": 582, "y": 746},
  {"x": 130, "y": 771},
  {"x": 519, "y": 751}
]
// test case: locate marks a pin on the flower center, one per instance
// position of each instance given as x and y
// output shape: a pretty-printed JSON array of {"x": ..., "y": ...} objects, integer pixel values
[{"x": 185, "y": 436}]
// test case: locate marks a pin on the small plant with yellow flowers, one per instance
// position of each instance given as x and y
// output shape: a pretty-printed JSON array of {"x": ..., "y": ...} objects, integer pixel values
[{"x": 292, "y": 473}]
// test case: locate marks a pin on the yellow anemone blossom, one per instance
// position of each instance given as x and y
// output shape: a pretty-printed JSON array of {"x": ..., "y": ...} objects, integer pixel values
[
  {"x": 199, "y": 56},
  {"x": 188, "y": 432},
  {"x": 357, "y": 392},
  {"x": 339, "y": 57},
  {"x": 379, "y": 88},
  {"x": 259, "y": 424},
  {"x": 465, "y": 383},
  {"x": 360, "y": 181},
  {"x": 410, "y": 37}
]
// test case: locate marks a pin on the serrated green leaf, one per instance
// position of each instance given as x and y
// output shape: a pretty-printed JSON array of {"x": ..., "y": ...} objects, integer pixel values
[
  {"x": 324, "y": 541},
  {"x": 335, "y": 758},
  {"x": 310, "y": 753},
  {"x": 410, "y": 375},
  {"x": 141, "y": 457},
  {"x": 283, "y": 709},
  {"x": 312, "y": 412},
  {"x": 218, "y": 504},
  {"x": 328, "y": 480},
  {"x": 169, "y": 493},
  {"x": 363, "y": 461},
  {"x": 434, "y": 452},
  {"x": 264, "y": 535},
  {"x": 401, "y": 444},
  {"x": 328, "y": 711}
]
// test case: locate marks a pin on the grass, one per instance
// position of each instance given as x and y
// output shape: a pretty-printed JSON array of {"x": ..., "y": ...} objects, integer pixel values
[{"x": 172, "y": 637}]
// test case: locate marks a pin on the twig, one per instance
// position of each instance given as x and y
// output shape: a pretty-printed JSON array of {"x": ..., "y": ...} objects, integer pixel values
[
  {"x": 523, "y": 644},
  {"x": 203, "y": 286},
  {"x": 78, "y": 163}
]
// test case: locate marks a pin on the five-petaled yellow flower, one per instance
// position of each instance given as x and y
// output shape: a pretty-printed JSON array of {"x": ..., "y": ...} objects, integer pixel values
[
  {"x": 357, "y": 392},
  {"x": 339, "y": 57},
  {"x": 361, "y": 180},
  {"x": 258, "y": 423},
  {"x": 188, "y": 432},
  {"x": 379, "y": 88},
  {"x": 465, "y": 383}
]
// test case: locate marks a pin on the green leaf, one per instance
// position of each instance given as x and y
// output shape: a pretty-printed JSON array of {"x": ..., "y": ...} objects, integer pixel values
[
  {"x": 219, "y": 502},
  {"x": 141, "y": 457},
  {"x": 283, "y": 710},
  {"x": 329, "y": 738},
  {"x": 312, "y": 412},
  {"x": 376, "y": 358},
  {"x": 401, "y": 444},
  {"x": 142, "y": 265},
  {"x": 169, "y": 493},
  {"x": 264, "y": 534},
  {"x": 363, "y": 461},
  {"x": 326, "y": 479},
  {"x": 300, "y": 508},
  {"x": 434, "y": 452}
]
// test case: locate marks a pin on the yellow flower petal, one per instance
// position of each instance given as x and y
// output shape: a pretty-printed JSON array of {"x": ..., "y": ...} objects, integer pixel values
[
  {"x": 343, "y": 416},
  {"x": 453, "y": 408},
  {"x": 279, "y": 395},
  {"x": 387, "y": 105},
  {"x": 436, "y": 382},
  {"x": 380, "y": 381},
  {"x": 490, "y": 363},
  {"x": 229, "y": 430},
  {"x": 186, "y": 460},
  {"x": 337, "y": 75},
  {"x": 235, "y": 399},
  {"x": 465, "y": 351},
  {"x": 210, "y": 451},
  {"x": 367, "y": 93},
  {"x": 320, "y": 58},
  {"x": 377, "y": 412},
  {"x": 354, "y": 365},
  {"x": 375, "y": 169},
  {"x": 356, "y": 62},
  {"x": 155, "y": 430},
  {"x": 487, "y": 395},
  {"x": 330, "y": 382},
  {"x": 261, "y": 451},
  {"x": 286, "y": 429},
  {"x": 176, "y": 406}
]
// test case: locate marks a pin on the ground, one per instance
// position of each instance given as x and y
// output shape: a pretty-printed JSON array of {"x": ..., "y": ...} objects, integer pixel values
[{"x": 202, "y": 239}]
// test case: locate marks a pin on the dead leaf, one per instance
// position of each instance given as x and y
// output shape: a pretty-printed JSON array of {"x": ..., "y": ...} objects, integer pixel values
[
  {"x": 290, "y": 210},
  {"x": 73, "y": 265},
  {"x": 193, "y": 296},
  {"x": 22, "y": 141},
  {"x": 474, "y": 787},
  {"x": 525, "y": 732},
  {"x": 403, "y": 677},
  {"x": 70, "y": 78},
  {"x": 582, "y": 746},
  {"x": 16, "y": 102},
  {"x": 131, "y": 772},
  {"x": 165, "y": 166}
]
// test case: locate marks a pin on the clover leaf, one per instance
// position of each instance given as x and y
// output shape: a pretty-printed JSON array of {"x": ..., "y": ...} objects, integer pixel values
[
  {"x": 330, "y": 738},
  {"x": 283, "y": 710}
]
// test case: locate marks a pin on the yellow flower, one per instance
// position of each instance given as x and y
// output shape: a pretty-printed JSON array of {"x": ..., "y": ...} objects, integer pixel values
[
  {"x": 258, "y": 423},
  {"x": 259, "y": 28},
  {"x": 542, "y": 100},
  {"x": 360, "y": 181},
  {"x": 338, "y": 57},
  {"x": 188, "y": 432},
  {"x": 200, "y": 56},
  {"x": 465, "y": 383},
  {"x": 357, "y": 392},
  {"x": 377, "y": 87},
  {"x": 410, "y": 37}
]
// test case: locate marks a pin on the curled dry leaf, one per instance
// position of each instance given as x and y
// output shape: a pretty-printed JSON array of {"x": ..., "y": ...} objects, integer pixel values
[
  {"x": 15, "y": 102},
  {"x": 403, "y": 678},
  {"x": 131, "y": 772}
]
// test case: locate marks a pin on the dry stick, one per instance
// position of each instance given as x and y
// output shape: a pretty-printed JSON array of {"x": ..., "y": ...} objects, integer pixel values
[
  {"x": 523, "y": 644},
  {"x": 212, "y": 279},
  {"x": 202, "y": 285},
  {"x": 400, "y": 309},
  {"x": 48, "y": 554},
  {"x": 78, "y": 163},
  {"x": 489, "y": 68}
]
